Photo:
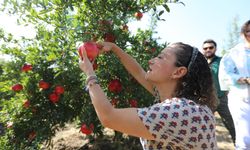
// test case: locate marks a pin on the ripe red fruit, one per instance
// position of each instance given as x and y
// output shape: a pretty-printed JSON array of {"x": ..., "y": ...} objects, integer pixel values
[
  {"x": 133, "y": 103},
  {"x": 87, "y": 130},
  {"x": 26, "y": 67},
  {"x": 26, "y": 104},
  {"x": 59, "y": 90},
  {"x": 138, "y": 15},
  {"x": 44, "y": 85},
  {"x": 115, "y": 86},
  {"x": 91, "y": 50},
  {"x": 109, "y": 37},
  {"x": 17, "y": 87},
  {"x": 53, "y": 97}
]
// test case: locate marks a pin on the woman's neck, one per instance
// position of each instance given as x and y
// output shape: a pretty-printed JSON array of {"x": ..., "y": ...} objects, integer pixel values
[
  {"x": 247, "y": 45},
  {"x": 166, "y": 90}
]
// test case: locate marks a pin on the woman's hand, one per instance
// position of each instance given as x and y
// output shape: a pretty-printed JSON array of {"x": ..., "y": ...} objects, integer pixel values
[
  {"x": 248, "y": 80},
  {"x": 105, "y": 46},
  {"x": 85, "y": 65},
  {"x": 242, "y": 80}
]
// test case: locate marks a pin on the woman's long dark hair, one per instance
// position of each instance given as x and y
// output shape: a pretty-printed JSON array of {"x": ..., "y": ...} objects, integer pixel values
[{"x": 197, "y": 84}]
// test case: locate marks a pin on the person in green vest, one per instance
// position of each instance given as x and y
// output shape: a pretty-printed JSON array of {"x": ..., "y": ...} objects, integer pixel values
[{"x": 209, "y": 48}]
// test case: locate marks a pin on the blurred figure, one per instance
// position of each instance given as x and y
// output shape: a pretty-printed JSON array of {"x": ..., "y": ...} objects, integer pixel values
[
  {"x": 209, "y": 48},
  {"x": 234, "y": 75}
]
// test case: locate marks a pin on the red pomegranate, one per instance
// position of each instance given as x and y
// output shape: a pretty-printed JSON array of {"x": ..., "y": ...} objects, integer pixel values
[
  {"x": 26, "y": 68},
  {"x": 115, "y": 86},
  {"x": 91, "y": 50},
  {"x": 138, "y": 15},
  {"x": 26, "y": 104},
  {"x": 54, "y": 98},
  {"x": 87, "y": 130},
  {"x": 133, "y": 103},
  {"x": 44, "y": 85},
  {"x": 17, "y": 87},
  {"x": 59, "y": 89}
]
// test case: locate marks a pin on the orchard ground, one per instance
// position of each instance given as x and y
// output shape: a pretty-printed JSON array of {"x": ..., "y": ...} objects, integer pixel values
[{"x": 70, "y": 138}]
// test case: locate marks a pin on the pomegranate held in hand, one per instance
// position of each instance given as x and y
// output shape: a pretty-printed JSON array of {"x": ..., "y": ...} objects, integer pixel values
[{"x": 91, "y": 50}]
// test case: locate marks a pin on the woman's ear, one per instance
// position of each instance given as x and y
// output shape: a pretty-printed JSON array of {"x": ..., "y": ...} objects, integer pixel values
[{"x": 179, "y": 72}]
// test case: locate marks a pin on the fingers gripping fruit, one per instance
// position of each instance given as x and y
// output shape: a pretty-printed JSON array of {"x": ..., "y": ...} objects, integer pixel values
[{"x": 91, "y": 50}]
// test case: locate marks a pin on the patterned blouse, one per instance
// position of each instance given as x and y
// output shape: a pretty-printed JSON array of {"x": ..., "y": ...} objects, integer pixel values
[{"x": 179, "y": 124}]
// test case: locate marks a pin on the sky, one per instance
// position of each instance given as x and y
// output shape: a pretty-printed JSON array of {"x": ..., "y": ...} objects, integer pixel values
[
  {"x": 193, "y": 23},
  {"x": 199, "y": 20}
]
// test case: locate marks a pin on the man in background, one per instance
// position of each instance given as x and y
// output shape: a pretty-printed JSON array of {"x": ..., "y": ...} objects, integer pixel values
[{"x": 209, "y": 48}]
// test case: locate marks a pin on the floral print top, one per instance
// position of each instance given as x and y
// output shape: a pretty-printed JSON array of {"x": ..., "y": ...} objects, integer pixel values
[{"x": 179, "y": 124}]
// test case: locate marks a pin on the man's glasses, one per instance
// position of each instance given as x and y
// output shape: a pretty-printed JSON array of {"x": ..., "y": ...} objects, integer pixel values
[{"x": 210, "y": 47}]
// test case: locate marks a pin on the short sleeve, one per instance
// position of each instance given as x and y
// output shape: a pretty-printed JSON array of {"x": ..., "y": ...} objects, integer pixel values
[
  {"x": 162, "y": 120},
  {"x": 178, "y": 122}
]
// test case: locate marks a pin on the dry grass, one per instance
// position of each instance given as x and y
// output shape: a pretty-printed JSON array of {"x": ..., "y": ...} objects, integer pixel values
[{"x": 224, "y": 139}]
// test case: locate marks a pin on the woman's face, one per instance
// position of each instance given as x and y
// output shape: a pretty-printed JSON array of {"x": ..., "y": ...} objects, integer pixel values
[
  {"x": 162, "y": 66},
  {"x": 247, "y": 34}
]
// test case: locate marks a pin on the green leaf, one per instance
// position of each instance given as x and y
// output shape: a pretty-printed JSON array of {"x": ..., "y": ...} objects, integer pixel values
[
  {"x": 161, "y": 12},
  {"x": 166, "y": 7}
]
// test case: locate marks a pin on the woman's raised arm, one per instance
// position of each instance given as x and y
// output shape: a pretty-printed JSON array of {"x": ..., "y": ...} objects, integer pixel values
[{"x": 129, "y": 63}]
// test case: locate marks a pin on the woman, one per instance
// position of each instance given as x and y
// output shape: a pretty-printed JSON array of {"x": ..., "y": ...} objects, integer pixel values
[
  {"x": 183, "y": 117},
  {"x": 234, "y": 75}
]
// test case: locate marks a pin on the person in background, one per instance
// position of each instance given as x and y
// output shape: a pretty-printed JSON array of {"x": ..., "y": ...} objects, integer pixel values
[
  {"x": 183, "y": 117},
  {"x": 209, "y": 48},
  {"x": 234, "y": 76}
]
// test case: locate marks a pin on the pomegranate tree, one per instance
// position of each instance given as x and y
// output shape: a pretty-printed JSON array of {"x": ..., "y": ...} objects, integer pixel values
[{"x": 42, "y": 87}]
